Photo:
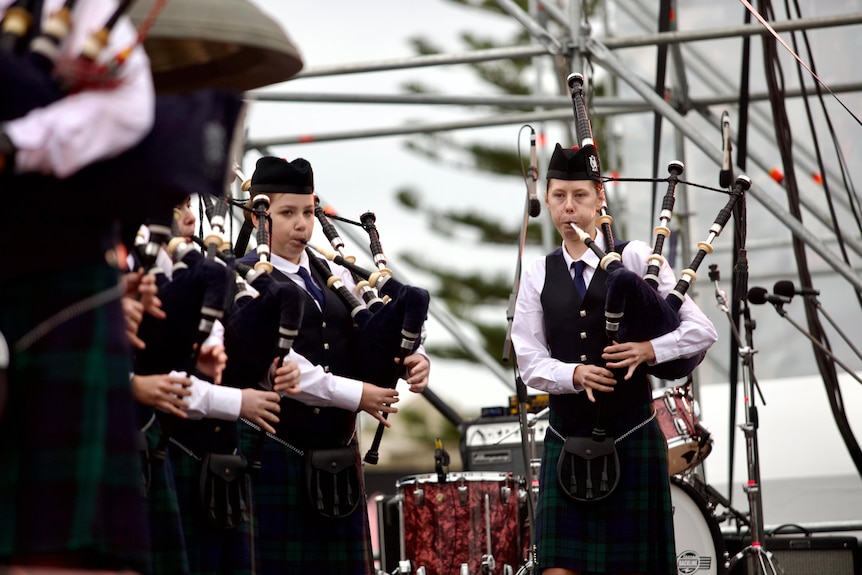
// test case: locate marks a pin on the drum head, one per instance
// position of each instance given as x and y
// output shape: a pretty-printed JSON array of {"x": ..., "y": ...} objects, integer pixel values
[{"x": 699, "y": 544}]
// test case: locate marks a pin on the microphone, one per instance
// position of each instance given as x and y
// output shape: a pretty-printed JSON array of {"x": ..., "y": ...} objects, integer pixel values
[
  {"x": 532, "y": 176},
  {"x": 787, "y": 289},
  {"x": 441, "y": 460},
  {"x": 759, "y": 295},
  {"x": 725, "y": 176}
]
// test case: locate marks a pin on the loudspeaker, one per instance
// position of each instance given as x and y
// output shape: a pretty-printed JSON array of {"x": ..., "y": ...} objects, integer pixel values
[{"x": 803, "y": 554}]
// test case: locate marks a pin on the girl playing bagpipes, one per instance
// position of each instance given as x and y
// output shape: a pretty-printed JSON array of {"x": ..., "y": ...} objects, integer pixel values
[
  {"x": 326, "y": 534},
  {"x": 562, "y": 349}
]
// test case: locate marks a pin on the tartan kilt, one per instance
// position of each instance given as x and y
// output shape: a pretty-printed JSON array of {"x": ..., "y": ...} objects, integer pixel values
[
  {"x": 169, "y": 554},
  {"x": 70, "y": 475},
  {"x": 210, "y": 550},
  {"x": 631, "y": 531},
  {"x": 291, "y": 536}
]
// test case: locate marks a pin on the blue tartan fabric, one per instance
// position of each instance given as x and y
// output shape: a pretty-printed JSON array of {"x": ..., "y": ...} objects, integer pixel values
[
  {"x": 291, "y": 536},
  {"x": 607, "y": 536},
  {"x": 70, "y": 475}
]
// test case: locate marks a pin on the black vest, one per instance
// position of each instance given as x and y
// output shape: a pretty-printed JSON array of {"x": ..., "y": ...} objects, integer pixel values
[
  {"x": 575, "y": 331},
  {"x": 324, "y": 339}
]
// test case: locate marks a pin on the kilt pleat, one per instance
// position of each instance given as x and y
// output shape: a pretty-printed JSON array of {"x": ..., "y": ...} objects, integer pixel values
[
  {"x": 210, "y": 550},
  {"x": 70, "y": 476},
  {"x": 169, "y": 554},
  {"x": 291, "y": 536},
  {"x": 631, "y": 531}
]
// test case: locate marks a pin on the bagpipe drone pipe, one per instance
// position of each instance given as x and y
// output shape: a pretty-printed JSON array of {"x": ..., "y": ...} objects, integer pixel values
[
  {"x": 193, "y": 298},
  {"x": 185, "y": 152},
  {"x": 389, "y": 328},
  {"x": 634, "y": 309},
  {"x": 263, "y": 321}
]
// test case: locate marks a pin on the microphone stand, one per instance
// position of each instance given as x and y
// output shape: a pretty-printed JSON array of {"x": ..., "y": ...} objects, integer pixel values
[
  {"x": 838, "y": 329},
  {"x": 779, "y": 307},
  {"x": 760, "y": 561},
  {"x": 521, "y": 391}
]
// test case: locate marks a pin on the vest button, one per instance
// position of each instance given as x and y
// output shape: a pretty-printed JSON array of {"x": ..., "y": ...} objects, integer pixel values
[
  {"x": 583, "y": 358},
  {"x": 583, "y": 313},
  {"x": 323, "y": 325},
  {"x": 583, "y": 335},
  {"x": 325, "y": 346}
]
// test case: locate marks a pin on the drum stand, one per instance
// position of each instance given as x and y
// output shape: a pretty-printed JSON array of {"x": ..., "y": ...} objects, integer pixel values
[{"x": 759, "y": 560}]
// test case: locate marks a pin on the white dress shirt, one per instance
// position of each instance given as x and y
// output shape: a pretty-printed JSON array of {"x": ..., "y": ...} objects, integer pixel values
[
  {"x": 91, "y": 125},
  {"x": 539, "y": 370},
  {"x": 318, "y": 387},
  {"x": 210, "y": 400}
]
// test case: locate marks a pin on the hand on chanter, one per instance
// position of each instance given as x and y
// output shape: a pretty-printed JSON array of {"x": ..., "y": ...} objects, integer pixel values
[
  {"x": 285, "y": 378},
  {"x": 377, "y": 401},
  {"x": 592, "y": 378},
  {"x": 163, "y": 391},
  {"x": 139, "y": 298},
  {"x": 628, "y": 355},
  {"x": 212, "y": 360},
  {"x": 142, "y": 287},
  {"x": 417, "y": 367},
  {"x": 260, "y": 407},
  {"x": 133, "y": 313}
]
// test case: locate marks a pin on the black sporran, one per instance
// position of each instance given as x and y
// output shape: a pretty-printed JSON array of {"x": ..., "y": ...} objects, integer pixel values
[
  {"x": 588, "y": 470},
  {"x": 224, "y": 490},
  {"x": 332, "y": 481}
]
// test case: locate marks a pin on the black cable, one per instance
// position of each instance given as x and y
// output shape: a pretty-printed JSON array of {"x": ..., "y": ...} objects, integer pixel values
[
  {"x": 820, "y": 164},
  {"x": 775, "y": 84}
]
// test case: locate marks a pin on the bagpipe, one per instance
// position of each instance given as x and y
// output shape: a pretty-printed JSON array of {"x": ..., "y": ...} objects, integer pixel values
[
  {"x": 634, "y": 309},
  {"x": 264, "y": 321},
  {"x": 588, "y": 468},
  {"x": 193, "y": 298},
  {"x": 389, "y": 327},
  {"x": 185, "y": 152}
]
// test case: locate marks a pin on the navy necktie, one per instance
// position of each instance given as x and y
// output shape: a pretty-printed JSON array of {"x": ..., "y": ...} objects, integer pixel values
[
  {"x": 580, "y": 284},
  {"x": 315, "y": 291}
]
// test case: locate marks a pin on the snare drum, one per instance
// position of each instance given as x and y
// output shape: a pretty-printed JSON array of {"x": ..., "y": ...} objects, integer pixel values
[
  {"x": 688, "y": 441},
  {"x": 470, "y": 519},
  {"x": 699, "y": 543}
]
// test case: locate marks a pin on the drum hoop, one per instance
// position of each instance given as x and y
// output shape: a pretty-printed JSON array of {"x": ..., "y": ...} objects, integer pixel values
[
  {"x": 457, "y": 476},
  {"x": 703, "y": 507}
]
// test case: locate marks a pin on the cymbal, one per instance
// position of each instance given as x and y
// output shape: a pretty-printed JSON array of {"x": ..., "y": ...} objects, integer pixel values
[{"x": 232, "y": 44}]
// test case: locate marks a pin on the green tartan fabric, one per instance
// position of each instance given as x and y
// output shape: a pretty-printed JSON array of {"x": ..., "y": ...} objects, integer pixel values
[
  {"x": 291, "y": 536},
  {"x": 70, "y": 476},
  {"x": 631, "y": 531},
  {"x": 210, "y": 550},
  {"x": 169, "y": 554}
]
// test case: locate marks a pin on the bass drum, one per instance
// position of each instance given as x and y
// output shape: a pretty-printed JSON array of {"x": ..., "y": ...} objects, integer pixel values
[{"x": 699, "y": 543}]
